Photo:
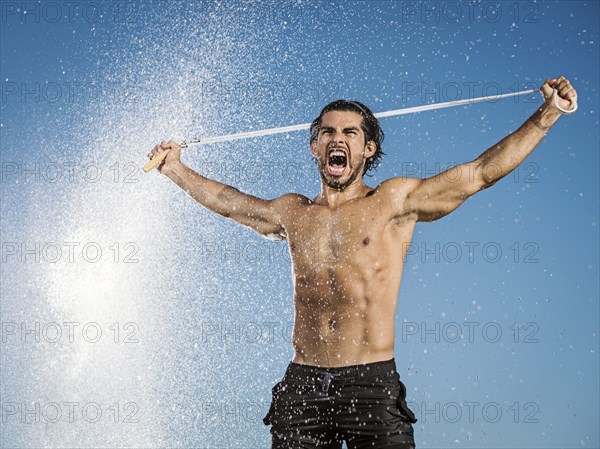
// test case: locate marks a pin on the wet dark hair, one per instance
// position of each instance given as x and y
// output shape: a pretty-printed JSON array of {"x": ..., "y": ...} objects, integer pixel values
[{"x": 370, "y": 126}]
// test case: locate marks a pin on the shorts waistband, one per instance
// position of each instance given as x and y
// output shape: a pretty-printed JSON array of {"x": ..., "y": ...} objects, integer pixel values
[{"x": 304, "y": 372}]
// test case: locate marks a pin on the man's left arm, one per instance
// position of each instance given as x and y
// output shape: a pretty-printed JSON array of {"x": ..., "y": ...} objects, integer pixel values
[{"x": 434, "y": 197}]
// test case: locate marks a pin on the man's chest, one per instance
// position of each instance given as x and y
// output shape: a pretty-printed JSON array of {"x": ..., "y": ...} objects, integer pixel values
[{"x": 345, "y": 234}]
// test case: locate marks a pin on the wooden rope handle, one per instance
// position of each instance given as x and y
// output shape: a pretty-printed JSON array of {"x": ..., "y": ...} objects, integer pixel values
[{"x": 155, "y": 162}]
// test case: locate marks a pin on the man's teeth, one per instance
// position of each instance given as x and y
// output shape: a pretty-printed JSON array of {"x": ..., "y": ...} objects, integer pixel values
[{"x": 337, "y": 162}]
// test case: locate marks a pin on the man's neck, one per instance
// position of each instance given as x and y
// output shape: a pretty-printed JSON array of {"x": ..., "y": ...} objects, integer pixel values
[{"x": 333, "y": 198}]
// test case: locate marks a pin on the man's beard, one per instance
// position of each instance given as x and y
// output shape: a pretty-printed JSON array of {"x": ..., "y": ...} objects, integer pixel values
[{"x": 333, "y": 183}]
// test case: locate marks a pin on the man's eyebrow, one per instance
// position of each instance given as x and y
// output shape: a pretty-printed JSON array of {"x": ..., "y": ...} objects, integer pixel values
[{"x": 347, "y": 128}]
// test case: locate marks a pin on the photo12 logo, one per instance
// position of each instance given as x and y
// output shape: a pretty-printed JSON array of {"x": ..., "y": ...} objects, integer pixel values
[
  {"x": 71, "y": 172},
  {"x": 36, "y": 412},
  {"x": 67, "y": 332},
  {"x": 68, "y": 252},
  {"x": 472, "y": 252},
  {"x": 468, "y": 12},
  {"x": 469, "y": 332},
  {"x": 229, "y": 412},
  {"x": 236, "y": 332},
  {"x": 68, "y": 92},
  {"x": 476, "y": 412},
  {"x": 63, "y": 12}
]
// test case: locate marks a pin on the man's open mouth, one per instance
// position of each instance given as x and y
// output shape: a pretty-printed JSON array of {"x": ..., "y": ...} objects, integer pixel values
[{"x": 336, "y": 163}]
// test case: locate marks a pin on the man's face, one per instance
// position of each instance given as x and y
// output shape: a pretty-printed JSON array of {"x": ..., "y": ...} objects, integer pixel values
[{"x": 340, "y": 148}]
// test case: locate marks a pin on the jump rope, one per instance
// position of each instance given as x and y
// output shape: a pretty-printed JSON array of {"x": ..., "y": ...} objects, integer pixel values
[{"x": 392, "y": 113}]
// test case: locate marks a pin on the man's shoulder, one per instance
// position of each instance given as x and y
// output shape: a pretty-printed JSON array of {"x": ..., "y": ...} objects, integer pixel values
[
  {"x": 291, "y": 200},
  {"x": 398, "y": 185}
]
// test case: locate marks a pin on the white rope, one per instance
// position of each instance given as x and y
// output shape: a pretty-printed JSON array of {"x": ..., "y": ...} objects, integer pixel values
[
  {"x": 449, "y": 104},
  {"x": 392, "y": 113}
]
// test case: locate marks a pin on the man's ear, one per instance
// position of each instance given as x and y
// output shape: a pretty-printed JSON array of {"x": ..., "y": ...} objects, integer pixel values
[
  {"x": 370, "y": 149},
  {"x": 313, "y": 148}
]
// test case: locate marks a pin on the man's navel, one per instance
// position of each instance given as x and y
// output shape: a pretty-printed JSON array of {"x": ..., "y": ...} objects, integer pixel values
[{"x": 332, "y": 325}]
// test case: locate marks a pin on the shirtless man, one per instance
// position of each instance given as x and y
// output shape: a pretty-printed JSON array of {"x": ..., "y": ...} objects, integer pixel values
[{"x": 348, "y": 247}]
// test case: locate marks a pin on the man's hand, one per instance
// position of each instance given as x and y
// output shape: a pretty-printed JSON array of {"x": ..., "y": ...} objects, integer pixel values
[
  {"x": 172, "y": 159},
  {"x": 567, "y": 96}
]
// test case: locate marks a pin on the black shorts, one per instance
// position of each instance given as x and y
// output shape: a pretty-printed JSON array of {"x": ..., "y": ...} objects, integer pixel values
[{"x": 363, "y": 405}]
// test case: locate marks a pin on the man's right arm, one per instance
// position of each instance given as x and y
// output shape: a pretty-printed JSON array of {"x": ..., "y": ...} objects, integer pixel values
[{"x": 263, "y": 216}]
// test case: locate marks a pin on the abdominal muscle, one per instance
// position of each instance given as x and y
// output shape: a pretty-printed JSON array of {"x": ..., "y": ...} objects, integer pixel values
[{"x": 347, "y": 319}]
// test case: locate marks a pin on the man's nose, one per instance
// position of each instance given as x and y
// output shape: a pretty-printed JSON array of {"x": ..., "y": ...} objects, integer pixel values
[{"x": 338, "y": 136}]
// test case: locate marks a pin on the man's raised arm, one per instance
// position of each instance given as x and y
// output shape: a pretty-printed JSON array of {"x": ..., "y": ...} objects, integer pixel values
[
  {"x": 262, "y": 216},
  {"x": 432, "y": 198}
]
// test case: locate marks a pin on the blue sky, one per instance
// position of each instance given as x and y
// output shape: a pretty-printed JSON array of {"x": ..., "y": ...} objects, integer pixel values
[{"x": 497, "y": 321}]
